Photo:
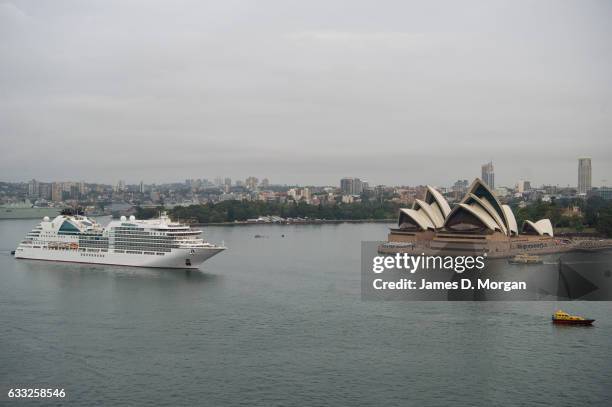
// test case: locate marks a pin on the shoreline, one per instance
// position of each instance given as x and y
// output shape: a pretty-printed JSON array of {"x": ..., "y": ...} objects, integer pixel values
[{"x": 304, "y": 222}]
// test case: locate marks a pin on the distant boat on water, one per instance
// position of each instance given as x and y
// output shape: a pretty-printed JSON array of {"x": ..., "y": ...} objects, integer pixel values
[{"x": 524, "y": 258}]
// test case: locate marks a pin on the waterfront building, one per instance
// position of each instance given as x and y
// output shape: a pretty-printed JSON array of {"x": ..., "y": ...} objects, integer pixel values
[
  {"x": 488, "y": 175},
  {"x": 584, "y": 175},
  {"x": 478, "y": 224}
]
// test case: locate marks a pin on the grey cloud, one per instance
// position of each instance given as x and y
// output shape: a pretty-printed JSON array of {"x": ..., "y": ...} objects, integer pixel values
[{"x": 305, "y": 92}]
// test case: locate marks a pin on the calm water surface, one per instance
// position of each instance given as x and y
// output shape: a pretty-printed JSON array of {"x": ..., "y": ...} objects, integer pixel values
[{"x": 280, "y": 321}]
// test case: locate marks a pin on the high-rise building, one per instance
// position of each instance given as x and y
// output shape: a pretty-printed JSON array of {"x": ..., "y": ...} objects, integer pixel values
[
  {"x": 460, "y": 186},
  {"x": 33, "y": 188},
  {"x": 44, "y": 190},
  {"x": 120, "y": 186},
  {"x": 351, "y": 186},
  {"x": 265, "y": 183},
  {"x": 73, "y": 191},
  {"x": 83, "y": 190},
  {"x": 488, "y": 176},
  {"x": 251, "y": 183},
  {"x": 523, "y": 186},
  {"x": 584, "y": 175},
  {"x": 57, "y": 192}
]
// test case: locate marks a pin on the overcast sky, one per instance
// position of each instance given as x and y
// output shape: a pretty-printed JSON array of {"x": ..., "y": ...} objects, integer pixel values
[{"x": 405, "y": 92}]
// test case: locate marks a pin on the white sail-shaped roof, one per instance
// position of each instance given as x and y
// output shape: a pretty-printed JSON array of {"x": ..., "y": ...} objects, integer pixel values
[
  {"x": 418, "y": 217},
  {"x": 436, "y": 208},
  {"x": 512, "y": 226},
  {"x": 541, "y": 227},
  {"x": 545, "y": 226},
  {"x": 483, "y": 215},
  {"x": 478, "y": 212},
  {"x": 486, "y": 205},
  {"x": 434, "y": 214},
  {"x": 434, "y": 196},
  {"x": 482, "y": 191},
  {"x": 478, "y": 209}
]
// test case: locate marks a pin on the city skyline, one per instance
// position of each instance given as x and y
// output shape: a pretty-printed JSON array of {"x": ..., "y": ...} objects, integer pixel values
[
  {"x": 383, "y": 92},
  {"x": 487, "y": 175}
]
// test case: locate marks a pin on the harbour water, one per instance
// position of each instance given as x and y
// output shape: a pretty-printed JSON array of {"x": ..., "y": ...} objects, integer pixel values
[{"x": 280, "y": 321}]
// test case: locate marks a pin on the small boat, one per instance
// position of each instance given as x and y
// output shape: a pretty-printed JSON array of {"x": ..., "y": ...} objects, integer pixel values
[
  {"x": 563, "y": 318},
  {"x": 524, "y": 258}
]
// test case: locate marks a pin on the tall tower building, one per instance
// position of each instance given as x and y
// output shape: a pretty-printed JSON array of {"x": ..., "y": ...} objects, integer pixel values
[
  {"x": 584, "y": 175},
  {"x": 351, "y": 186},
  {"x": 57, "y": 192},
  {"x": 33, "y": 188},
  {"x": 488, "y": 175}
]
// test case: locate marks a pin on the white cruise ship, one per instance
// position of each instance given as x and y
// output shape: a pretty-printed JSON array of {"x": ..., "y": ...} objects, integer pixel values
[{"x": 127, "y": 242}]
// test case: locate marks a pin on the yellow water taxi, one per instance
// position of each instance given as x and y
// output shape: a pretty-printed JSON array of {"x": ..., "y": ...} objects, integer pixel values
[{"x": 564, "y": 318}]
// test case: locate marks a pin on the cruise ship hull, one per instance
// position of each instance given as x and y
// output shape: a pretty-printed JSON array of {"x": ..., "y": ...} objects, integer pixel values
[{"x": 177, "y": 259}]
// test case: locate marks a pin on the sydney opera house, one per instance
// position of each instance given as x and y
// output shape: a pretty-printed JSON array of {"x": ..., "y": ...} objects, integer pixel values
[{"x": 478, "y": 224}]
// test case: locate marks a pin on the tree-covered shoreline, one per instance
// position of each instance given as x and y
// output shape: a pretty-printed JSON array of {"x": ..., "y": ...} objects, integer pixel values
[
  {"x": 232, "y": 211},
  {"x": 594, "y": 213}
]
